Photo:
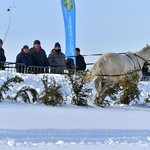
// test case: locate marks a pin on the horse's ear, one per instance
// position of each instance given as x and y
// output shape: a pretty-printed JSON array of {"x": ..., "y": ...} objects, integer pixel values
[{"x": 147, "y": 45}]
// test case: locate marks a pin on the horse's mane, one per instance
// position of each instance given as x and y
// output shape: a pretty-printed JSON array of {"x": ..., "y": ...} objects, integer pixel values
[{"x": 146, "y": 48}]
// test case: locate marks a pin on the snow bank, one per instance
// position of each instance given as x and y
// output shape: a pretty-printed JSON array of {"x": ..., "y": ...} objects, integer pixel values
[{"x": 35, "y": 127}]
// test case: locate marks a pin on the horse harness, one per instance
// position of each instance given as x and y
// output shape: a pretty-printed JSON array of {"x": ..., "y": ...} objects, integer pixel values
[
  {"x": 146, "y": 61},
  {"x": 121, "y": 74},
  {"x": 132, "y": 60},
  {"x": 130, "y": 72}
]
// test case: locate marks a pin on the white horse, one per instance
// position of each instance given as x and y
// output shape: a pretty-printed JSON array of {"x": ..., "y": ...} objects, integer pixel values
[{"x": 110, "y": 68}]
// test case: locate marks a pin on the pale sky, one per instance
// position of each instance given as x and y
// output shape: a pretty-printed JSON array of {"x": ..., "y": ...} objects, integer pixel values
[{"x": 101, "y": 25}]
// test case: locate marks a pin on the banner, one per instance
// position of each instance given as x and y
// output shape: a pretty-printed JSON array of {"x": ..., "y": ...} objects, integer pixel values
[{"x": 69, "y": 15}]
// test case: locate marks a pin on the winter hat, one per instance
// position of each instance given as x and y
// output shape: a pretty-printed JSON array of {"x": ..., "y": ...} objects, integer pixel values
[
  {"x": 37, "y": 42},
  {"x": 25, "y": 47},
  {"x": 57, "y": 44}
]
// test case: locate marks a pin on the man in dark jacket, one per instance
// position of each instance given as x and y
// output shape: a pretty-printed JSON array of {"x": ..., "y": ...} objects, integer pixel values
[
  {"x": 145, "y": 69},
  {"x": 80, "y": 62},
  {"x": 23, "y": 60},
  {"x": 2, "y": 56},
  {"x": 57, "y": 59},
  {"x": 39, "y": 57}
]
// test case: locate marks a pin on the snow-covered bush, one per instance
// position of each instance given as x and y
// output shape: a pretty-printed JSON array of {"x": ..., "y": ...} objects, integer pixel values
[
  {"x": 129, "y": 89},
  {"x": 77, "y": 83},
  {"x": 110, "y": 92},
  {"x": 27, "y": 94},
  {"x": 8, "y": 85},
  {"x": 51, "y": 94},
  {"x": 146, "y": 101}
]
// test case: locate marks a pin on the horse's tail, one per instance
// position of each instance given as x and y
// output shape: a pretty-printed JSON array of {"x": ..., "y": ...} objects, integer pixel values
[
  {"x": 88, "y": 77},
  {"x": 96, "y": 70}
]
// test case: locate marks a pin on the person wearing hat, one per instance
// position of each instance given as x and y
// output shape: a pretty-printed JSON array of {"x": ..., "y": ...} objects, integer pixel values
[
  {"x": 80, "y": 62},
  {"x": 2, "y": 56},
  {"x": 57, "y": 60},
  {"x": 39, "y": 56},
  {"x": 23, "y": 60}
]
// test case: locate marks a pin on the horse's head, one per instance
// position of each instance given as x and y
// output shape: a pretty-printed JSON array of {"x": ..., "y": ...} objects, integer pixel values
[{"x": 143, "y": 56}]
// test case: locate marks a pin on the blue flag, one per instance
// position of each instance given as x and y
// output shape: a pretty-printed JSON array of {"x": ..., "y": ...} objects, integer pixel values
[{"x": 69, "y": 15}]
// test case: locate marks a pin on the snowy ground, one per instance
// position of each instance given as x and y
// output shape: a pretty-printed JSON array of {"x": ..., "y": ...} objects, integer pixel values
[{"x": 36, "y": 127}]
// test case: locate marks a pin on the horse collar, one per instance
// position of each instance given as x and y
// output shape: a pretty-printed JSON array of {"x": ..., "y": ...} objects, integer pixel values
[{"x": 131, "y": 59}]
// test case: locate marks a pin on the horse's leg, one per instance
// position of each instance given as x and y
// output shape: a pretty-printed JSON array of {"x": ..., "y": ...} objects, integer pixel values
[
  {"x": 105, "y": 84},
  {"x": 101, "y": 92},
  {"x": 100, "y": 85},
  {"x": 97, "y": 84}
]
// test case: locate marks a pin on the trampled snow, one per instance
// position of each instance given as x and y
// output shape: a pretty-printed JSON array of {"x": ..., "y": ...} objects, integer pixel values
[{"x": 37, "y": 127}]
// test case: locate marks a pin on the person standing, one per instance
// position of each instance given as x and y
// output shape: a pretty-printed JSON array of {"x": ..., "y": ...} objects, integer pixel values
[
  {"x": 57, "y": 60},
  {"x": 39, "y": 57},
  {"x": 145, "y": 70},
  {"x": 80, "y": 62},
  {"x": 25, "y": 58},
  {"x": 70, "y": 65},
  {"x": 2, "y": 56}
]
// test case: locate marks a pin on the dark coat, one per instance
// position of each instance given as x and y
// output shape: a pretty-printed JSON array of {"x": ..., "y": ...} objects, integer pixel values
[
  {"x": 2, "y": 58},
  {"x": 80, "y": 63},
  {"x": 23, "y": 58},
  {"x": 58, "y": 61},
  {"x": 145, "y": 71},
  {"x": 2, "y": 55},
  {"x": 70, "y": 63},
  {"x": 39, "y": 58}
]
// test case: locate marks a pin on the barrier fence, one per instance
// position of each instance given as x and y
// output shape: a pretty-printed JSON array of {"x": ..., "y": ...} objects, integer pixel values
[{"x": 21, "y": 68}]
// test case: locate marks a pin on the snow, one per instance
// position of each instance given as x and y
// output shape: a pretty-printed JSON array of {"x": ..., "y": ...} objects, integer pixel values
[
  {"x": 28, "y": 116},
  {"x": 34, "y": 126}
]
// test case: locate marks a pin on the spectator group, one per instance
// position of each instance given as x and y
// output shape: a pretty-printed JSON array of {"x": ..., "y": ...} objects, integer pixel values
[{"x": 35, "y": 59}]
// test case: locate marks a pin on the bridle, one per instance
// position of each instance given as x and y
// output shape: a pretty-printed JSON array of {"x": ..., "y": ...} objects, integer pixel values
[
  {"x": 141, "y": 57},
  {"x": 145, "y": 61}
]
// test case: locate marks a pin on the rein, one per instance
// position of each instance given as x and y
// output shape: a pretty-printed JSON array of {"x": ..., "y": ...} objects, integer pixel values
[
  {"x": 141, "y": 58},
  {"x": 145, "y": 61},
  {"x": 121, "y": 74}
]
